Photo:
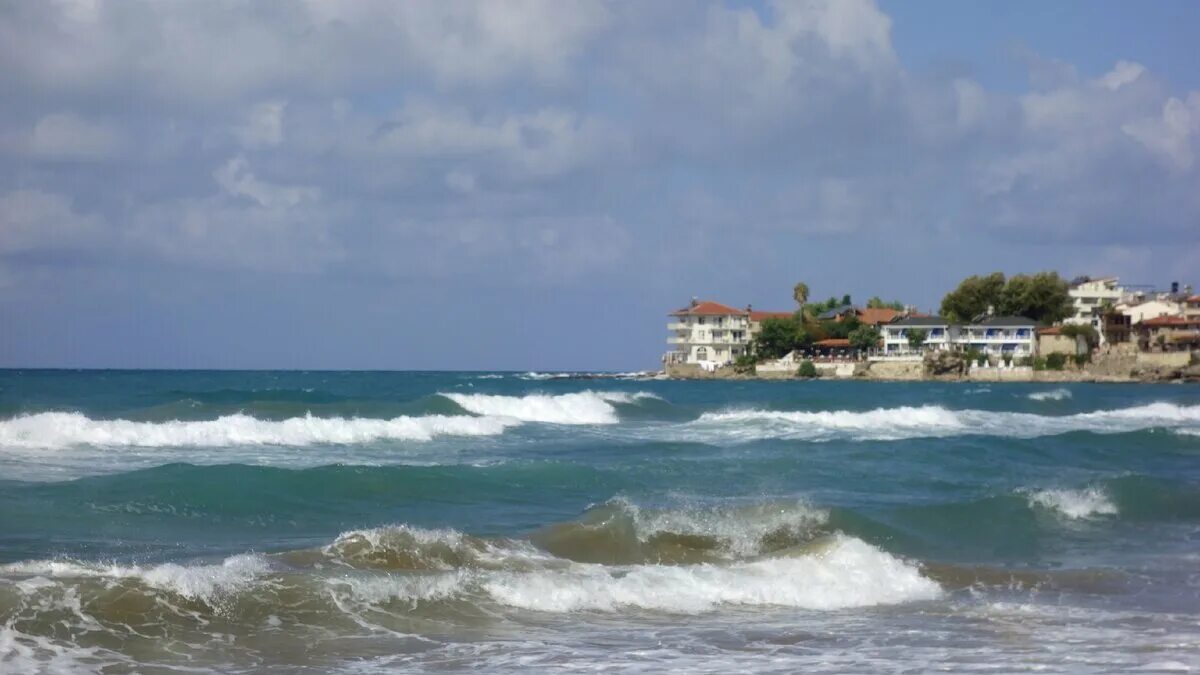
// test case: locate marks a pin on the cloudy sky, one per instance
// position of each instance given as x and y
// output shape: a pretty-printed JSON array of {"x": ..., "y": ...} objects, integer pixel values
[{"x": 534, "y": 184}]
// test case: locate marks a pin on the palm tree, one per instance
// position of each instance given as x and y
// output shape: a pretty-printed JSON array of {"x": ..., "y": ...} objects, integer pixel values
[{"x": 800, "y": 294}]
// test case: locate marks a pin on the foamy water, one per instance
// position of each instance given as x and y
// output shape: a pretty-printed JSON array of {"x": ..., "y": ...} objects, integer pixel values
[
  {"x": 586, "y": 407},
  {"x": 1051, "y": 395},
  {"x": 929, "y": 421},
  {"x": 391, "y": 522},
  {"x": 61, "y": 430},
  {"x": 1074, "y": 504}
]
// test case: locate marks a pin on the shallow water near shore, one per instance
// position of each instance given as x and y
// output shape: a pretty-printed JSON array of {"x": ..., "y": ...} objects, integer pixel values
[{"x": 505, "y": 522}]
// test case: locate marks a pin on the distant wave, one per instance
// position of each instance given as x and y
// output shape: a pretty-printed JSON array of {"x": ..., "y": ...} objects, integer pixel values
[
  {"x": 586, "y": 407},
  {"x": 59, "y": 430},
  {"x": 1074, "y": 504},
  {"x": 929, "y": 421},
  {"x": 1051, "y": 395}
]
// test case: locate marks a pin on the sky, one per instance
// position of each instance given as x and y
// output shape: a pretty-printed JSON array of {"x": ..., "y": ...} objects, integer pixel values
[{"x": 535, "y": 184}]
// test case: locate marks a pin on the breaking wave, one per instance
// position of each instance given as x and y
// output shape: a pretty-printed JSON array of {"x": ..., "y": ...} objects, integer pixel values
[
  {"x": 205, "y": 583},
  {"x": 846, "y": 572},
  {"x": 836, "y": 572},
  {"x": 1051, "y": 395},
  {"x": 1074, "y": 504},
  {"x": 585, "y": 407},
  {"x": 933, "y": 421},
  {"x": 60, "y": 430}
]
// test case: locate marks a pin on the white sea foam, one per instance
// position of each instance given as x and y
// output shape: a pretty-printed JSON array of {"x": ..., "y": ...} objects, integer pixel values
[
  {"x": 585, "y": 407},
  {"x": 59, "y": 430},
  {"x": 849, "y": 573},
  {"x": 1074, "y": 504},
  {"x": 1051, "y": 395},
  {"x": 195, "y": 582},
  {"x": 928, "y": 421},
  {"x": 741, "y": 528}
]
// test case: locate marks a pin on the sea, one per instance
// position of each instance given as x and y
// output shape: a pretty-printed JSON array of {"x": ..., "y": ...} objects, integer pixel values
[{"x": 363, "y": 522}]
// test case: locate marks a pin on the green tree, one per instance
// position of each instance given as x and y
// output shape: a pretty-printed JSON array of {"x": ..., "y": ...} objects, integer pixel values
[
  {"x": 878, "y": 303},
  {"x": 807, "y": 369},
  {"x": 1088, "y": 333},
  {"x": 846, "y": 299},
  {"x": 1043, "y": 297},
  {"x": 973, "y": 297},
  {"x": 778, "y": 336},
  {"x": 800, "y": 294},
  {"x": 916, "y": 337},
  {"x": 840, "y": 329},
  {"x": 864, "y": 338}
]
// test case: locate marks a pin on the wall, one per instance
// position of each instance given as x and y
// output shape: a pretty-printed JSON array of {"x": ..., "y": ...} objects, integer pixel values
[
  {"x": 896, "y": 370},
  {"x": 1059, "y": 344},
  {"x": 1164, "y": 359}
]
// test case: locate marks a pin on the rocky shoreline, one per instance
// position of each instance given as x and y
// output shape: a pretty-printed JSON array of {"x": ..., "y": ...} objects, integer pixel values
[{"x": 952, "y": 367}]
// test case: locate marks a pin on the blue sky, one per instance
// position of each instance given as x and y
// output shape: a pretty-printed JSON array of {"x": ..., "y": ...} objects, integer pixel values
[{"x": 534, "y": 185}]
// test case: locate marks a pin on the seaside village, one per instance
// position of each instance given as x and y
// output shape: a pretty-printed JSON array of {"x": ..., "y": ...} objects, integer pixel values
[{"x": 1096, "y": 324}]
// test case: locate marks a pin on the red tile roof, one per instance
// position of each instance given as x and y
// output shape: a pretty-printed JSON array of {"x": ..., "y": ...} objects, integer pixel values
[
  {"x": 1167, "y": 321},
  {"x": 832, "y": 342},
  {"x": 709, "y": 308},
  {"x": 759, "y": 316},
  {"x": 877, "y": 315},
  {"x": 1052, "y": 330}
]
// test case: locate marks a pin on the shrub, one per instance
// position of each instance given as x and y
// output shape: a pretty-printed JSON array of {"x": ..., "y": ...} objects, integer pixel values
[
  {"x": 1056, "y": 361},
  {"x": 745, "y": 364},
  {"x": 1008, "y": 359},
  {"x": 982, "y": 361},
  {"x": 1039, "y": 363},
  {"x": 1081, "y": 359},
  {"x": 807, "y": 369},
  {"x": 1025, "y": 361}
]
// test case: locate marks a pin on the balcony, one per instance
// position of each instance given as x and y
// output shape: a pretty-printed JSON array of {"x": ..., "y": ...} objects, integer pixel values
[{"x": 678, "y": 326}]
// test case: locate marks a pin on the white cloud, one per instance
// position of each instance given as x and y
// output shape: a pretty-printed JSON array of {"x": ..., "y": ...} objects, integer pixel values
[
  {"x": 220, "y": 51},
  {"x": 64, "y": 135},
  {"x": 1170, "y": 134},
  {"x": 236, "y": 179},
  {"x": 1122, "y": 74},
  {"x": 33, "y": 220},
  {"x": 263, "y": 125},
  {"x": 547, "y": 142}
]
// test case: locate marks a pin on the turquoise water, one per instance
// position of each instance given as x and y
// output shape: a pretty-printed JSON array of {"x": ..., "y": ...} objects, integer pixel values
[{"x": 349, "y": 521}]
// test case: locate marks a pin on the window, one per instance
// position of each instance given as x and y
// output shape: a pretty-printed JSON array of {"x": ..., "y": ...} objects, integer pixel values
[
  {"x": 702, "y": 354},
  {"x": 700, "y": 320}
]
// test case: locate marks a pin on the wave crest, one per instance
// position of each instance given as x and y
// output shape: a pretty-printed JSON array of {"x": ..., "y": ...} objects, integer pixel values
[
  {"x": 1074, "y": 504},
  {"x": 585, "y": 407},
  {"x": 932, "y": 421},
  {"x": 621, "y": 532},
  {"x": 846, "y": 573},
  {"x": 61, "y": 430},
  {"x": 1060, "y": 394}
]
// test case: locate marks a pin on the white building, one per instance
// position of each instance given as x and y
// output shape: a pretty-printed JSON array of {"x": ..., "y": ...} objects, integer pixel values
[
  {"x": 1089, "y": 296},
  {"x": 997, "y": 335},
  {"x": 1151, "y": 309},
  {"x": 708, "y": 334},
  {"x": 1001, "y": 336},
  {"x": 940, "y": 334}
]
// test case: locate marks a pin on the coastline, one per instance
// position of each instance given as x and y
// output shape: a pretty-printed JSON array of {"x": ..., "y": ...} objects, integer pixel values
[{"x": 1123, "y": 369}]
